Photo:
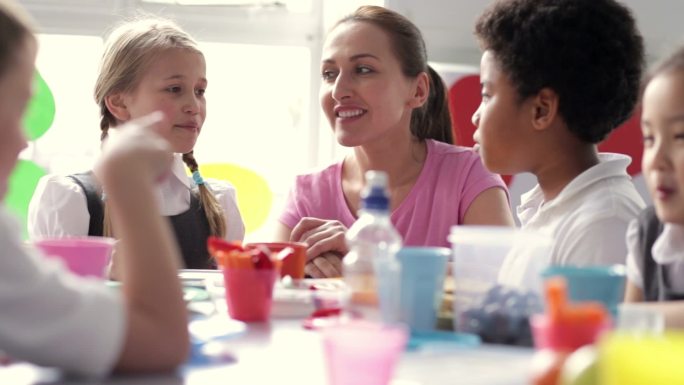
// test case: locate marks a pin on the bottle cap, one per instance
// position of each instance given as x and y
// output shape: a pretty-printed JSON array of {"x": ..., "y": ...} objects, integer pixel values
[{"x": 374, "y": 195}]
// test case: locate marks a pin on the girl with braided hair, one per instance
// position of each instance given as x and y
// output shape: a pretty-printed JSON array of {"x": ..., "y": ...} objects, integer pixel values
[{"x": 147, "y": 65}]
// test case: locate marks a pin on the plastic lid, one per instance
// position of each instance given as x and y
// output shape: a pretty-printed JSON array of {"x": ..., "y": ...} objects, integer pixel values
[
  {"x": 496, "y": 235},
  {"x": 374, "y": 195},
  {"x": 569, "y": 326}
]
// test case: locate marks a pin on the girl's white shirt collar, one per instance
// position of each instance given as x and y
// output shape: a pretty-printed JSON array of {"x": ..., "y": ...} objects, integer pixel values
[
  {"x": 669, "y": 247},
  {"x": 178, "y": 168},
  {"x": 174, "y": 192}
]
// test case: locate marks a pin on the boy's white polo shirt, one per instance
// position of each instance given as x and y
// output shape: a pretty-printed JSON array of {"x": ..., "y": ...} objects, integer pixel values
[
  {"x": 52, "y": 318},
  {"x": 589, "y": 218}
]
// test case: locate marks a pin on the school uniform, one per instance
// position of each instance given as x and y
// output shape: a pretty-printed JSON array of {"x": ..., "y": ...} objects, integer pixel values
[
  {"x": 655, "y": 258},
  {"x": 72, "y": 205},
  {"x": 589, "y": 217}
]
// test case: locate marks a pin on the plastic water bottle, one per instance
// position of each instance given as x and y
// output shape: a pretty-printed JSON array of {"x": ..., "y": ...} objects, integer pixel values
[{"x": 371, "y": 269}]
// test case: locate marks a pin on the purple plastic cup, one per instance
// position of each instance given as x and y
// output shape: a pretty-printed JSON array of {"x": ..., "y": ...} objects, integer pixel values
[{"x": 84, "y": 256}]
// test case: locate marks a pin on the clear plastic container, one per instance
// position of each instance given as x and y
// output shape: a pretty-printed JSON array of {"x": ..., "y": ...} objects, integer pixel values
[
  {"x": 497, "y": 282},
  {"x": 639, "y": 319}
]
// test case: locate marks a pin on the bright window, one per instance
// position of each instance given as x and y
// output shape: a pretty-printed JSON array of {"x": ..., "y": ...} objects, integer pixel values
[
  {"x": 72, "y": 142},
  {"x": 257, "y": 109},
  {"x": 262, "y": 67}
]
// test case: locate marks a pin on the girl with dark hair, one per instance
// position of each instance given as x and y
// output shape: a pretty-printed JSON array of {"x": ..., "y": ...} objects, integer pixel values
[
  {"x": 383, "y": 100},
  {"x": 655, "y": 241}
]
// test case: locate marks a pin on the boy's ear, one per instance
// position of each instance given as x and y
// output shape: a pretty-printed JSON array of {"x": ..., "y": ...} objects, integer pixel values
[
  {"x": 421, "y": 92},
  {"x": 545, "y": 108},
  {"x": 116, "y": 104}
]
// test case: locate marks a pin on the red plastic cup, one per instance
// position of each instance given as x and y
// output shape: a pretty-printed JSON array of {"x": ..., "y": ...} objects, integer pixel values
[
  {"x": 292, "y": 265},
  {"x": 85, "y": 256},
  {"x": 564, "y": 336},
  {"x": 249, "y": 293}
]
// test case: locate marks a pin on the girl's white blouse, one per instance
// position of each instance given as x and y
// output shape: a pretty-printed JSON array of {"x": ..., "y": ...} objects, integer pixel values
[{"x": 59, "y": 208}]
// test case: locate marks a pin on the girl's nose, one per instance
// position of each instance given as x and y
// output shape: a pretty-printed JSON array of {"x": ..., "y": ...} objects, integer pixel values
[
  {"x": 476, "y": 117},
  {"x": 192, "y": 105},
  {"x": 657, "y": 156}
]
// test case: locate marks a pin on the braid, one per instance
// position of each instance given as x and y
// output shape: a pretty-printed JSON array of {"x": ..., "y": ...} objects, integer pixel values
[
  {"x": 212, "y": 209},
  {"x": 189, "y": 160},
  {"x": 107, "y": 228},
  {"x": 106, "y": 120}
]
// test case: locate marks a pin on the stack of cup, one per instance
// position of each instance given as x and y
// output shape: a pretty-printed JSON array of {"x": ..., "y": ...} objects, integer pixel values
[
  {"x": 249, "y": 276},
  {"x": 605, "y": 284},
  {"x": 293, "y": 265}
]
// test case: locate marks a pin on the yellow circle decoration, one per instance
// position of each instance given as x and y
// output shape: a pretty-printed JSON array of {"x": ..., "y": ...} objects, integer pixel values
[{"x": 253, "y": 194}]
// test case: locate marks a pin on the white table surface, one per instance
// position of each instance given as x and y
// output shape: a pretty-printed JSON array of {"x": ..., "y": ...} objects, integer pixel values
[{"x": 282, "y": 352}]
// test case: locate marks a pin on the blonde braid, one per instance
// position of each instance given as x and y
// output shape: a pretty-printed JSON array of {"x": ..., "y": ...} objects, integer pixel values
[
  {"x": 212, "y": 209},
  {"x": 107, "y": 120}
]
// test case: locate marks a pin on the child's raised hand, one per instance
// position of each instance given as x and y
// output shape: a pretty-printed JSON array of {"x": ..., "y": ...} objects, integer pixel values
[{"x": 135, "y": 151}]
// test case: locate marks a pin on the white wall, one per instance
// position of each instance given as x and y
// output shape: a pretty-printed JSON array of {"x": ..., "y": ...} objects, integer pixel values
[{"x": 448, "y": 25}]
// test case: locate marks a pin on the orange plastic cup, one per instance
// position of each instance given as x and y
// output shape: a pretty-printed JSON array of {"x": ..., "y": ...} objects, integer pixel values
[
  {"x": 249, "y": 293},
  {"x": 292, "y": 265}
]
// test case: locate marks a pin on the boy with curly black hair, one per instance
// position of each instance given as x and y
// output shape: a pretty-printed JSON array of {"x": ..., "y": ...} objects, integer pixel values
[{"x": 557, "y": 77}]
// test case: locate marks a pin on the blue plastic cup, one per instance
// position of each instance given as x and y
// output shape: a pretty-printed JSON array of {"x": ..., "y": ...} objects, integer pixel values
[
  {"x": 604, "y": 284},
  {"x": 422, "y": 281}
]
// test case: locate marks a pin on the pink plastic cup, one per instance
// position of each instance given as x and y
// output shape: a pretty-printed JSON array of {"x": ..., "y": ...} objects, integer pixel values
[
  {"x": 249, "y": 293},
  {"x": 361, "y": 352},
  {"x": 85, "y": 256}
]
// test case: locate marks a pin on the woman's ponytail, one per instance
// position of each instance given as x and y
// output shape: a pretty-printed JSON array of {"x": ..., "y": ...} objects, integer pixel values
[{"x": 433, "y": 119}]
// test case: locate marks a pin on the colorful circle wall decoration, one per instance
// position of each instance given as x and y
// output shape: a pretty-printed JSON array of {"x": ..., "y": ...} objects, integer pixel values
[
  {"x": 254, "y": 195},
  {"x": 40, "y": 112},
  {"x": 38, "y": 119},
  {"x": 464, "y": 99}
]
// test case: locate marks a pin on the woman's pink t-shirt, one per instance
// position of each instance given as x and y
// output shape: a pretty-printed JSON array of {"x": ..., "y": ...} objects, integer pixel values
[{"x": 450, "y": 180}]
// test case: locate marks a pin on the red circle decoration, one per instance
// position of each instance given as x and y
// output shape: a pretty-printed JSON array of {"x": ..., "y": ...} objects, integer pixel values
[
  {"x": 464, "y": 98},
  {"x": 626, "y": 139}
]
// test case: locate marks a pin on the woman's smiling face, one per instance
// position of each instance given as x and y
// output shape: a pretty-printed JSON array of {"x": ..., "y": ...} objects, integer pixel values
[{"x": 364, "y": 93}]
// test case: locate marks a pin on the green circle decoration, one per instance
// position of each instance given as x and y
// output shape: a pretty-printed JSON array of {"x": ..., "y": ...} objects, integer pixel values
[
  {"x": 41, "y": 109},
  {"x": 22, "y": 183}
]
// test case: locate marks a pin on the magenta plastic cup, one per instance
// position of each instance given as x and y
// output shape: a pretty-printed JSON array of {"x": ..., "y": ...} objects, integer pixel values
[
  {"x": 362, "y": 352},
  {"x": 84, "y": 256}
]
